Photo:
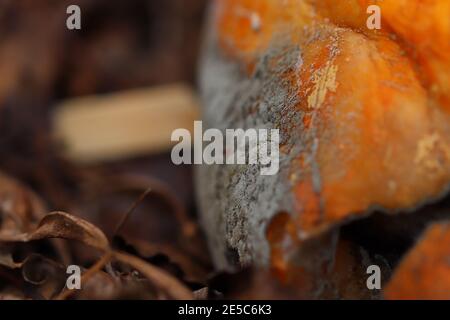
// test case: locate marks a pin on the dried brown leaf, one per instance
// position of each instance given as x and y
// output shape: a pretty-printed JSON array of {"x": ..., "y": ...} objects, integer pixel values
[
  {"x": 63, "y": 225},
  {"x": 20, "y": 208},
  {"x": 163, "y": 280}
]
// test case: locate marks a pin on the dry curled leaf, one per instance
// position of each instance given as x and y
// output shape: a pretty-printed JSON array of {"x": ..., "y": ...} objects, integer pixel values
[
  {"x": 173, "y": 234},
  {"x": 170, "y": 285},
  {"x": 20, "y": 208},
  {"x": 7, "y": 260},
  {"x": 65, "y": 226},
  {"x": 43, "y": 277},
  {"x": 192, "y": 269},
  {"x": 11, "y": 294},
  {"x": 46, "y": 276}
]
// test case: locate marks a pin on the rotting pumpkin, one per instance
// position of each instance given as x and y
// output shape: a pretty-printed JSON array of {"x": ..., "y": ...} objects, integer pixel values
[{"x": 364, "y": 117}]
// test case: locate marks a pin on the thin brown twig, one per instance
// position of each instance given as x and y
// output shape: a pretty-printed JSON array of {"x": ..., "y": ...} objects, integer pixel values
[
  {"x": 130, "y": 211},
  {"x": 133, "y": 182}
]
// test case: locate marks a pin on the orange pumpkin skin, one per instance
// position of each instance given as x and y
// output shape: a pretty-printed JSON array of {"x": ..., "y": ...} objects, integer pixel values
[
  {"x": 364, "y": 114},
  {"x": 424, "y": 273}
]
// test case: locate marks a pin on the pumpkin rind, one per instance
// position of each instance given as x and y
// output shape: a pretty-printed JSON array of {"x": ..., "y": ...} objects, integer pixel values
[{"x": 364, "y": 115}]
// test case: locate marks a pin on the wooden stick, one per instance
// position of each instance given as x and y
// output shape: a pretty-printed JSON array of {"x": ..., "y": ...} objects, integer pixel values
[{"x": 122, "y": 125}]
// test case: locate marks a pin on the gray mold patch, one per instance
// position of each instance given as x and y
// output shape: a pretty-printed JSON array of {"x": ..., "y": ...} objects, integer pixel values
[{"x": 236, "y": 201}]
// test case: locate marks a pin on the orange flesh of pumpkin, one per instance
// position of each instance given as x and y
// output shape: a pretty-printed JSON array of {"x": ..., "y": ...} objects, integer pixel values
[
  {"x": 377, "y": 101},
  {"x": 423, "y": 273}
]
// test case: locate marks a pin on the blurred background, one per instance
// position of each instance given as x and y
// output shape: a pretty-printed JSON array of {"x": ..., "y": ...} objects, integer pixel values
[{"x": 122, "y": 45}]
